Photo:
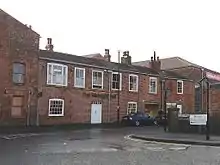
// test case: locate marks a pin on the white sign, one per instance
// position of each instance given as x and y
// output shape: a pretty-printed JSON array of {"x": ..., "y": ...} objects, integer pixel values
[{"x": 198, "y": 119}]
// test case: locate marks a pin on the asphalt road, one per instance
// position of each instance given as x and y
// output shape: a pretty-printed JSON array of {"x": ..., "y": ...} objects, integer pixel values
[{"x": 96, "y": 147}]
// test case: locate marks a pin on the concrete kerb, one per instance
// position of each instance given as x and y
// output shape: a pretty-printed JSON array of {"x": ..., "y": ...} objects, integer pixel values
[{"x": 176, "y": 141}]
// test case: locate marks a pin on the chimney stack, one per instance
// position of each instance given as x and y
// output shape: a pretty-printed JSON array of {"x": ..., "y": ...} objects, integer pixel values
[
  {"x": 49, "y": 45},
  {"x": 107, "y": 56},
  {"x": 155, "y": 62},
  {"x": 126, "y": 59}
]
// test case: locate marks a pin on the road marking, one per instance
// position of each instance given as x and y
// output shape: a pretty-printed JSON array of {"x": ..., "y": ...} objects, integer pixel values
[
  {"x": 16, "y": 136},
  {"x": 178, "y": 148},
  {"x": 79, "y": 150},
  {"x": 133, "y": 149},
  {"x": 156, "y": 148}
]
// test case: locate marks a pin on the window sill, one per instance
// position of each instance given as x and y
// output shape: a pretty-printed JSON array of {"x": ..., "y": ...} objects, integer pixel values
[
  {"x": 97, "y": 88},
  {"x": 152, "y": 93},
  {"x": 116, "y": 89},
  {"x": 133, "y": 91},
  {"x": 18, "y": 84},
  {"x": 58, "y": 86},
  {"x": 56, "y": 115},
  {"x": 180, "y": 93},
  {"x": 79, "y": 87}
]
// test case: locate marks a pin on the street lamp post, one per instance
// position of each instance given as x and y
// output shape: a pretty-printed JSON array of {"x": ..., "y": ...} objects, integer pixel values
[
  {"x": 165, "y": 110},
  {"x": 164, "y": 103},
  {"x": 207, "y": 106}
]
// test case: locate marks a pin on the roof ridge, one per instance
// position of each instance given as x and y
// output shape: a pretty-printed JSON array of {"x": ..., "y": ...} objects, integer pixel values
[{"x": 186, "y": 61}]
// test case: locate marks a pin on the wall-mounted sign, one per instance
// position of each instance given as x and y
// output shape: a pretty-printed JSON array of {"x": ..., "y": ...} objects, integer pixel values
[{"x": 198, "y": 119}]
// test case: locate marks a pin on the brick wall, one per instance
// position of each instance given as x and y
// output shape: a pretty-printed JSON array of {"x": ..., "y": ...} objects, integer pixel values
[
  {"x": 78, "y": 103},
  {"x": 18, "y": 44},
  {"x": 187, "y": 99}
]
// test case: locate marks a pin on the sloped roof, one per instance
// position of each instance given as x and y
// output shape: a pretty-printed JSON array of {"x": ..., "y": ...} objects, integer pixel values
[
  {"x": 6, "y": 17},
  {"x": 68, "y": 58},
  {"x": 92, "y": 55},
  {"x": 173, "y": 63},
  {"x": 169, "y": 63}
]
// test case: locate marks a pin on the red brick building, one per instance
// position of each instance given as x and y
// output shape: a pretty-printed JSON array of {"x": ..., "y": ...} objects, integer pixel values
[
  {"x": 79, "y": 96},
  {"x": 41, "y": 87},
  {"x": 19, "y": 48},
  {"x": 194, "y": 72}
]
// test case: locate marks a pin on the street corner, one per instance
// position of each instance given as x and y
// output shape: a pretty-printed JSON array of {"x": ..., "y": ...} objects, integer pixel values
[{"x": 176, "y": 141}]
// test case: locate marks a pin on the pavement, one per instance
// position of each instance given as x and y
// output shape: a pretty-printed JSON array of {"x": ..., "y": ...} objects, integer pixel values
[
  {"x": 158, "y": 135},
  {"x": 99, "y": 146}
]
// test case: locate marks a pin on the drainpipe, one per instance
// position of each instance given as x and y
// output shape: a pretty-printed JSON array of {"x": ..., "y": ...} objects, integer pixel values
[
  {"x": 139, "y": 77},
  {"x": 161, "y": 94},
  {"x": 118, "y": 107},
  {"x": 202, "y": 88},
  {"x": 28, "y": 108},
  {"x": 109, "y": 95}
]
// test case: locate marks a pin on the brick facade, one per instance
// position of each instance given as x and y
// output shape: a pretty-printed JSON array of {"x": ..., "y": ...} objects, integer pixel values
[
  {"x": 19, "y": 43},
  {"x": 78, "y": 101},
  {"x": 196, "y": 74}
]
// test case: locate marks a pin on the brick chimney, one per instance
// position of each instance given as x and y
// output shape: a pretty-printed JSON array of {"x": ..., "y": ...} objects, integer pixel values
[
  {"x": 155, "y": 62},
  {"x": 49, "y": 45},
  {"x": 126, "y": 59},
  {"x": 107, "y": 56}
]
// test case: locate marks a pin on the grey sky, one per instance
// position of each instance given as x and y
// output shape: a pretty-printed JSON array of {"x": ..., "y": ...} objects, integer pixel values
[{"x": 186, "y": 28}]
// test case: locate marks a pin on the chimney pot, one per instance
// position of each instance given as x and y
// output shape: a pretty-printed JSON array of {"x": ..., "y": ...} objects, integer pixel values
[
  {"x": 154, "y": 55},
  {"x": 127, "y": 53},
  {"x": 151, "y": 58},
  {"x": 106, "y": 51},
  {"x": 158, "y": 58},
  {"x": 124, "y": 53}
]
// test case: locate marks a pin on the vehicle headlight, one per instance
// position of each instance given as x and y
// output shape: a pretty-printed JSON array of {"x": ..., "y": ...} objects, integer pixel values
[{"x": 130, "y": 118}]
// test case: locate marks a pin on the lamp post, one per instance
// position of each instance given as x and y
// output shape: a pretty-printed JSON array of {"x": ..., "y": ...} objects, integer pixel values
[
  {"x": 164, "y": 93},
  {"x": 207, "y": 110},
  {"x": 207, "y": 105}
]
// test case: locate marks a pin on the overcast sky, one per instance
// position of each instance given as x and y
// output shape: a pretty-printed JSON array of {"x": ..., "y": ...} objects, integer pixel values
[{"x": 186, "y": 28}]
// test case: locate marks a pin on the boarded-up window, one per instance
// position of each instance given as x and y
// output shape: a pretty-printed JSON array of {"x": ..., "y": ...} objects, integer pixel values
[{"x": 17, "y": 104}]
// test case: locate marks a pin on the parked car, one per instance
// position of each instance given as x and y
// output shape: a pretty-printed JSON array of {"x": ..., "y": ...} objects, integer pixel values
[{"x": 138, "y": 119}]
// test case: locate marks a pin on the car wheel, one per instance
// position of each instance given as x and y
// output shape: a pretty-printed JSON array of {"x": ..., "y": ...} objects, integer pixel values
[{"x": 137, "y": 123}]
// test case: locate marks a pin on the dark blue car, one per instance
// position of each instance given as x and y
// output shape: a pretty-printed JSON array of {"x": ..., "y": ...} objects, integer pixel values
[{"x": 138, "y": 119}]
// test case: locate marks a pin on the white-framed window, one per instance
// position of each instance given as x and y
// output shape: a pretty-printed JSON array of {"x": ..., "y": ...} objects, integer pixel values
[
  {"x": 179, "y": 87},
  {"x": 116, "y": 80},
  {"x": 132, "y": 107},
  {"x": 79, "y": 77},
  {"x": 56, "y": 107},
  {"x": 57, "y": 74},
  {"x": 153, "y": 85},
  {"x": 133, "y": 82},
  {"x": 97, "y": 79}
]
